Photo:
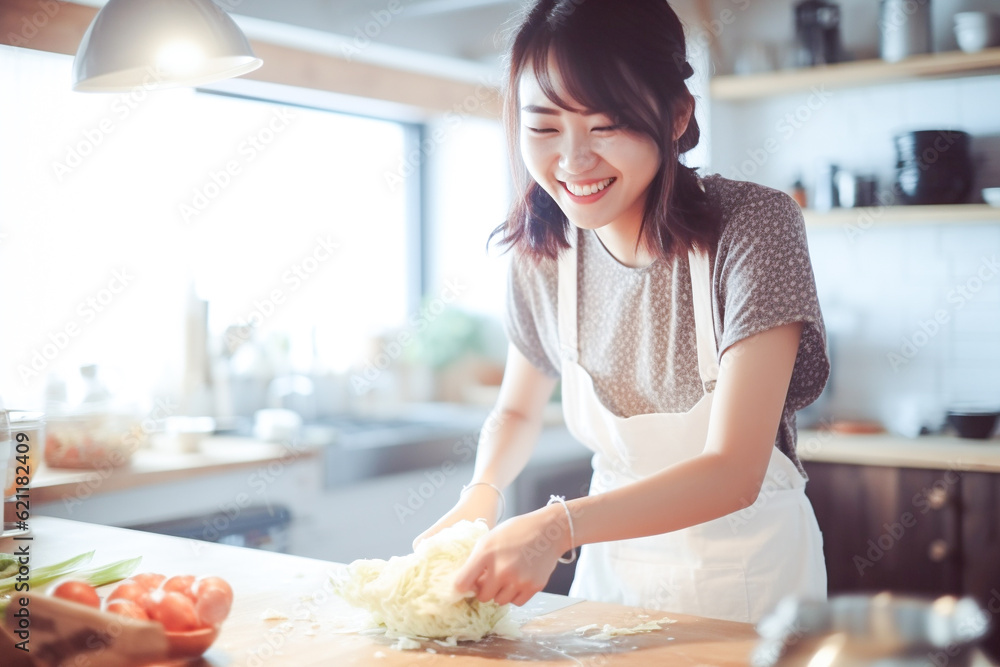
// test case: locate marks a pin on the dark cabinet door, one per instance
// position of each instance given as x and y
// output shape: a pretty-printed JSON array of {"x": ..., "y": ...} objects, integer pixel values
[
  {"x": 981, "y": 555},
  {"x": 888, "y": 528}
]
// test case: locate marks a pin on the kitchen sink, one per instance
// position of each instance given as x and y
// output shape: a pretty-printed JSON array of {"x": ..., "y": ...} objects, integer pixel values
[{"x": 357, "y": 448}]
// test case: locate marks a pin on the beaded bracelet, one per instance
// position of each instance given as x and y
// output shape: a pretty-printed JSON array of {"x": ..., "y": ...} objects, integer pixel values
[
  {"x": 503, "y": 501},
  {"x": 569, "y": 518}
]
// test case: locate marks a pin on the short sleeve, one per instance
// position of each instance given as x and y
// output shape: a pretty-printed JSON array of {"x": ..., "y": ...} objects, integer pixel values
[
  {"x": 764, "y": 279},
  {"x": 530, "y": 314}
]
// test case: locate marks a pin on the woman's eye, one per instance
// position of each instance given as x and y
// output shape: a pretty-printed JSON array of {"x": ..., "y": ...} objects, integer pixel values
[
  {"x": 542, "y": 130},
  {"x": 610, "y": 128}
]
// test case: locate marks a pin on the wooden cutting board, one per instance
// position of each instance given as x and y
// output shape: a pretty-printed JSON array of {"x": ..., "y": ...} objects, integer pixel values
[
  {"x": 313, "y": 625},
  {"x": 548, "y": 640},
  {"x": 552, "y": 639}
]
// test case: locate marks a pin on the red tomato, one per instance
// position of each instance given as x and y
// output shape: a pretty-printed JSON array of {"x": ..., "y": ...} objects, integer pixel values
[
  {"x": 212, "y": 582},
  {"x": 175, "y": 612},
  {"x": 133, "y": 592},
  {"x": 148, "y": 580},
  {"x": 215, "y": 599},
  {"x": 78, "y": 591},
  {"x": 127, "y": 608},
  {"x": 180, "y": 584}
]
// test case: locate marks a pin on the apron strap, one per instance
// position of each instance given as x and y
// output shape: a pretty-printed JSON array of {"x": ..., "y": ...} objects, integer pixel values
[
  {"x": 701, "y": 300},
  {"x": 566, "y": 305}
]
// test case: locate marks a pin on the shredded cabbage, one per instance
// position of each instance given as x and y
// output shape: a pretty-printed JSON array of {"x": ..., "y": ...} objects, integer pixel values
[{"x": 414, "y": 595}]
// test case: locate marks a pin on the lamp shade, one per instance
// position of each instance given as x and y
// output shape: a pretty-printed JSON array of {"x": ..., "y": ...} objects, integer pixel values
[{"x": 160, "y": 44}]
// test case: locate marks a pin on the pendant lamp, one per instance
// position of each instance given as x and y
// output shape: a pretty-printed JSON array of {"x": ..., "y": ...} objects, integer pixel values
[{"x": 160, "y": 44}]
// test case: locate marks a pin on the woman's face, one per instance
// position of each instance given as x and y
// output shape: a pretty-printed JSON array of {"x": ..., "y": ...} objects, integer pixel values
[{"x": 597, "y": 172}]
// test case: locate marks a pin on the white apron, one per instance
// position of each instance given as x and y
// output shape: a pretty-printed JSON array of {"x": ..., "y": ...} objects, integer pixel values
[{"x": 736, "y": 567}]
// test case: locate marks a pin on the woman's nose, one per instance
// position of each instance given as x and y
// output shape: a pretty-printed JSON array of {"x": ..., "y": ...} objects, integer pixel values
[{"x": 577, "y": 155}]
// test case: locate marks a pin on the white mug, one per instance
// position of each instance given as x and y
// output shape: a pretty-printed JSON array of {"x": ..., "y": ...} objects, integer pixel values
[{"x": 974, "y": 31}]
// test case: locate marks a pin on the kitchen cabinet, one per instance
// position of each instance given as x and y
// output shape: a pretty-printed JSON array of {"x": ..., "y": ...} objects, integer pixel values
[
  {"x": 888, "y": 528},
  {"x": 910, "y": 530},
  {"x": 981, "y": 542}
]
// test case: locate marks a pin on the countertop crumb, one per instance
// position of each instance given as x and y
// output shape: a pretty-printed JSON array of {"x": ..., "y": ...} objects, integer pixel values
[
  {"x": 405, "y": 644},
  {"x": 609, "y": 631},
  {"x": 272, "y": 614}
]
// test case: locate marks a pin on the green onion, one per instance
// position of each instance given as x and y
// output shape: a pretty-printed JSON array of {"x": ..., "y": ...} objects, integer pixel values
[
  {"x": 109, "y": 574},
  {"x": 43, "y": 575},
  {"x": 8, "y": 565},
  {"x": 98, "y": 576}
]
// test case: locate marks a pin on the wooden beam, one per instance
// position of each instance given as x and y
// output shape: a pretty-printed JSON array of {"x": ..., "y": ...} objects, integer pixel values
[
  {"x": 58, "y": 27},
  {"x": 322, "y": 72},
  {"x": 45, "y": 25}
]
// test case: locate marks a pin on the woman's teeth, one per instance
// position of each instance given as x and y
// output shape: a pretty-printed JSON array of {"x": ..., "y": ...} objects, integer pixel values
[{"x": 586, "y": 190}]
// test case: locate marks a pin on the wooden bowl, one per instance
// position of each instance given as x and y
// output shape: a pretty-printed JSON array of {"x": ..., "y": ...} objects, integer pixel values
[
  {"x": 191, "y": 644},
  {"x": 67, "y": 632}
]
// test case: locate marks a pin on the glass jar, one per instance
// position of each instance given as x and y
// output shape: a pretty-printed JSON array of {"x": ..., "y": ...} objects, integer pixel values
[
  {"x": 26, "y": 444},
  {"x": 89, "y": 425}
]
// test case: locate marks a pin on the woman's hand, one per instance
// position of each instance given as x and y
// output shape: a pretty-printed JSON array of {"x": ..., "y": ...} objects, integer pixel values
[
  {"x": 476, "y": 502},
  {"x": 515, "y": 560}
]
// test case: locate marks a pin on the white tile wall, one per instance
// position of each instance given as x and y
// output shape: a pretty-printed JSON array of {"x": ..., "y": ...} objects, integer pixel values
[
  {"x": 886, "y": 290},
  {"x": 879, "y": 288}
]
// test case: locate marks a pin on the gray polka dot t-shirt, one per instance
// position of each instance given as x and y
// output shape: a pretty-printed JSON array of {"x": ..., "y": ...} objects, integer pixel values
[{"x": 636, "y": 325}]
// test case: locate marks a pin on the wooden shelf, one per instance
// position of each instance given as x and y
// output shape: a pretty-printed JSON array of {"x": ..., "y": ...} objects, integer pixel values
[
  {"x": 854, "y": 74},
  {"x": 875, "y": 216}
]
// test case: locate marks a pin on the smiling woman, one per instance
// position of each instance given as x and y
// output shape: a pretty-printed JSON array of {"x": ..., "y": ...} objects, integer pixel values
[{"x": 680, "y": 315}]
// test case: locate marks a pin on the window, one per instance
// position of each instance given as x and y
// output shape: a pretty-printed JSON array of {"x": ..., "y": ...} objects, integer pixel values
[{"x": 116, "y": 209}]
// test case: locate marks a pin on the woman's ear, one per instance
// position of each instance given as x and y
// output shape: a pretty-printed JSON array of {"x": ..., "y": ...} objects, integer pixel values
[{"x": 682, "y": 115}]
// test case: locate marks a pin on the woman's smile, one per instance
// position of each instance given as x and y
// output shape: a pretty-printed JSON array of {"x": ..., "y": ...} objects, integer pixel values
[{"x": 587, "y": 192}]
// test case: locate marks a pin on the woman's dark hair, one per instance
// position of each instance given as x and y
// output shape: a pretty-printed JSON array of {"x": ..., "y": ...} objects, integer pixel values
[{"x": 626, "y": 59}]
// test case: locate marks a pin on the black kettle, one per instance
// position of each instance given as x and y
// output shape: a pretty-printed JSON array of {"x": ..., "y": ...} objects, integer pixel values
[{"x": 817, "y": 27}]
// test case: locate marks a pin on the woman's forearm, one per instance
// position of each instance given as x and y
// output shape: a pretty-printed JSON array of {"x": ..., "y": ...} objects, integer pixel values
[
  {"x": 505, "y": 445},
  {"x": 700, "y": 489},
  {"x": 509, "y": 434}
]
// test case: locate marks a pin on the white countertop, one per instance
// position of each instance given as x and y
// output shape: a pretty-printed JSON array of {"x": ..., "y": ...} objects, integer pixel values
[{"x": 939, "y": 452}]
